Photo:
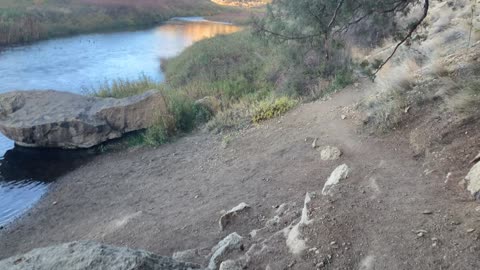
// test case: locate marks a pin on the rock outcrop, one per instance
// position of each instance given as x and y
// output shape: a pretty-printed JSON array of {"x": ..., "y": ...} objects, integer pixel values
[
  {"x": 473, "y": 181},
  {"x": 339, "y": 174},
  {"x": 226, "y": 218},
  {"x": 91, "y": 256},
  {"x": 66, "y": 120}
]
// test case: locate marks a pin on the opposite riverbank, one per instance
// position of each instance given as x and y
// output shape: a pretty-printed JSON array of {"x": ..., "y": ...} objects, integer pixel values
[{"x": 28, "y": 21}]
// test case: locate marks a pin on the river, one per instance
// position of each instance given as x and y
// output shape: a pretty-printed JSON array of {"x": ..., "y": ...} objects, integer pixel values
[{"x": 75, "y": 64}]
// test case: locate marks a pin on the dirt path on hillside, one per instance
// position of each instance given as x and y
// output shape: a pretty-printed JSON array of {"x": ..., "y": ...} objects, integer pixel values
[{"x": 389, "y": 214}]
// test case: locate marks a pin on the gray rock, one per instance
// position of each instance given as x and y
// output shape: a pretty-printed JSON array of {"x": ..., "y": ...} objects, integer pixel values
[
  {"x": 66, "y": 120},
  {"x": 294, "y": 238},
  {"x": 229, "y": 243},
  {"x": 190, "y": 255},
  {"x": 91, "y": 256},
  {"x": 231, "y": 265},
  {"x": 473, "y": 181},
  {"x": 330, "y": 153},
  {"x": 340, "y": 173},
  {"x": 226, "y": 218}
]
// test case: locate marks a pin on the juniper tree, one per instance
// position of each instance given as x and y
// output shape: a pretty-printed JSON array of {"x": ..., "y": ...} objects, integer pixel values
[{"x": 321, "y": 24}]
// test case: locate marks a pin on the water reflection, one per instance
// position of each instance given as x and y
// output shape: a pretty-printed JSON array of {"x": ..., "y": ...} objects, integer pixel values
[
  {"x": 73, "y": 64},
  {"x": 25, "y": 175},
  {"x": 76, "y": 63}
]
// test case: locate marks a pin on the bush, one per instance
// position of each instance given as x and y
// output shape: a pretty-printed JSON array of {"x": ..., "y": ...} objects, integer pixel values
[
  {"x": 272, "y": 108},
  {"x": 121, "y": 88},
  {"x": 155, "y": 135}
]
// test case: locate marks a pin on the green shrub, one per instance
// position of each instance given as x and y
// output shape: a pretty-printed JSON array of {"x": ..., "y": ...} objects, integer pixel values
[
  {"x": 121, "y": 88},
  {"x": 155, "y": 135},
  {"x": 272, "y": 108}
]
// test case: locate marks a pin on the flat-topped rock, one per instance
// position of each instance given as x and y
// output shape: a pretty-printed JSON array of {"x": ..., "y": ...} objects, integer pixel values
[{"x": 67, "y": 120}]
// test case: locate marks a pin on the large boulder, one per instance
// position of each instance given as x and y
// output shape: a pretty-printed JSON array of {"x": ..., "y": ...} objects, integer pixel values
[
  {"x": 66, "y": 120},
  {"x": 91, "y": 256}
]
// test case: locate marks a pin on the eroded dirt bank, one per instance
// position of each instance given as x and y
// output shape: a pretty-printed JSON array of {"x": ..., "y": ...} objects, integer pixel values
[{"x": 387, "y": 215}]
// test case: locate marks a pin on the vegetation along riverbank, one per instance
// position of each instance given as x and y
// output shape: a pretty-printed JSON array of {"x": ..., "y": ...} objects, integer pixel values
[{"x": 31, "y": 20}]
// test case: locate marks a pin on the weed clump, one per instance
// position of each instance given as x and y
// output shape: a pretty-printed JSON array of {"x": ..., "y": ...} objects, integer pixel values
[{"x": 268, "y": 109}]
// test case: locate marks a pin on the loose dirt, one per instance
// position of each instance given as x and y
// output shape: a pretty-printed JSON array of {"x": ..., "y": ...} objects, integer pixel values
[{"x": 389, "y": 214}]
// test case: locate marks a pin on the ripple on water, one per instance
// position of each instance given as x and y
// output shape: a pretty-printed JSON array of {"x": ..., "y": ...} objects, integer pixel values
[
  {"x": 73, "y": 64},
  {"x": 25, "y": 175},
  {"x": 17, "y": 197}
]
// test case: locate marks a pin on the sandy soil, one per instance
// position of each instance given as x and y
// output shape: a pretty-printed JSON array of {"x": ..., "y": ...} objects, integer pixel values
[{"x": 169, "y": 199}]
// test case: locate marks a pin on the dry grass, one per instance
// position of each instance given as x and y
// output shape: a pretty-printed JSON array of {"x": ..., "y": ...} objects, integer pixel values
[
  {"x": 419, "y": 74},
  {"x": 467, "y": 100}
]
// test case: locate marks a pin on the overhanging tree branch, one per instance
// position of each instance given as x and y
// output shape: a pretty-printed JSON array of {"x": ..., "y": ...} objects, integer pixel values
[{"x": 414, "y": 27}]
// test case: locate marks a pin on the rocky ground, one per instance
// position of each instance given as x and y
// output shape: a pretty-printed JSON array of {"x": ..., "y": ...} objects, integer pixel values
[{"x": 385, "y": 209}]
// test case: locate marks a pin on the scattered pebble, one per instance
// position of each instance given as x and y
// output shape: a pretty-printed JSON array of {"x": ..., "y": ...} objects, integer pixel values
[
  {"x": 54, "y": 203},
  {"x": 427, "y": 212},
  {"x": 420, "y": 233},
  {"x": 314, "y": 144},
  {"x": 470, "y": 230},
  {"x": 344, "y": 117}
]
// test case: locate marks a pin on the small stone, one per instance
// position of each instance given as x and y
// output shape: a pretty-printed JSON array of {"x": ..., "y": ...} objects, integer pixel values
[
  {"x": 420, "y": 233},
  {"x": 344, "y": 117},
  {"x": 54, "y": 203},
  {"x": 227, "y": 218},
  {"x": 333, "y": 243},
  {"x": 330, "y": 153},
  {"x": 314, "y": 144},
  {"x": 427, "y": 212},
  {"x": 471, "y": 230}
]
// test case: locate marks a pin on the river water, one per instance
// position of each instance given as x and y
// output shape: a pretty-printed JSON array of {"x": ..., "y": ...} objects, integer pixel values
[{"x": 75, "y": 64}]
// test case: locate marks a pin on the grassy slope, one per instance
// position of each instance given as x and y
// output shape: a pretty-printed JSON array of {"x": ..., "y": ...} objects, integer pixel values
[{"x": 29, "y": 20}]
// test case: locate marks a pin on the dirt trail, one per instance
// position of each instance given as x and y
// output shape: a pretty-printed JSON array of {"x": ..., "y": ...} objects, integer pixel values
[{"x": 389, "y": 214}]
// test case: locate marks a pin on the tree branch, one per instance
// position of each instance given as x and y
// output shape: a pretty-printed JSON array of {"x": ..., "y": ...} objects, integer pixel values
[{"x": 426, "y": 7}]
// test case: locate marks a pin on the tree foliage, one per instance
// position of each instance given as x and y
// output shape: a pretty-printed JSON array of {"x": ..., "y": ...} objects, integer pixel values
[{"x": 321, "y": 24}]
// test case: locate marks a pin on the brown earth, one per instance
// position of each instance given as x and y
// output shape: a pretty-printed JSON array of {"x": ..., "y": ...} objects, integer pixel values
[{"x": 391, "y": 213}]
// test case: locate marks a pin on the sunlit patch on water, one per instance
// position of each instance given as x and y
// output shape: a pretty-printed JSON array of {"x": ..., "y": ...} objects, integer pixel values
[{"x": 74, "y": 64}]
